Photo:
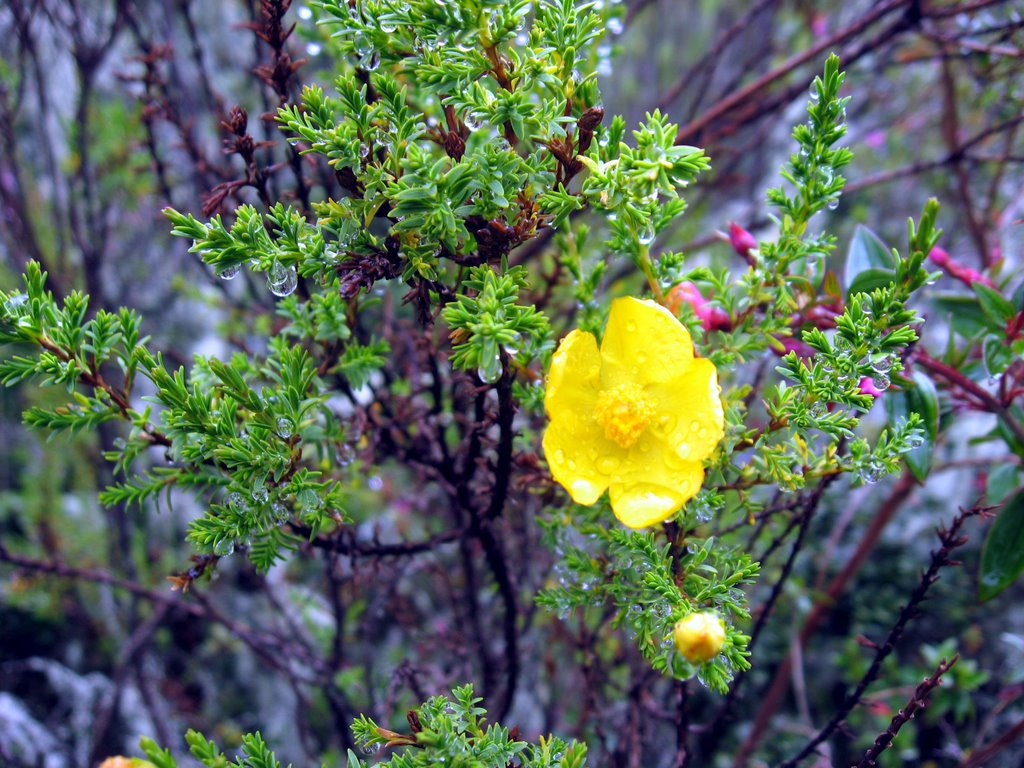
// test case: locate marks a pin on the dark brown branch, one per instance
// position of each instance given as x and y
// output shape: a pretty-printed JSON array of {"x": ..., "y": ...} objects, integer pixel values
[
  {"x": 950, "y": 539},
  {"x": 916, "y": 704}
]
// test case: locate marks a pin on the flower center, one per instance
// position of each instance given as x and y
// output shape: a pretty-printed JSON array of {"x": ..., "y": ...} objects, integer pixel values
[{"x": 624, "y": 413}]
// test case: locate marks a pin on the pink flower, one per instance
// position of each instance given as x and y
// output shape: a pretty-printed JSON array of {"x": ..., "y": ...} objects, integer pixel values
[
  {"x": 711, "y": 318},
  {"x": 961, "y": 272},
  {"x": 742, "y": 241}
]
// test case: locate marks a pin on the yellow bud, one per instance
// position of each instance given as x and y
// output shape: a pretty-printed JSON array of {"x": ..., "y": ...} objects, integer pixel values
[{"x": 700, "y": 636}]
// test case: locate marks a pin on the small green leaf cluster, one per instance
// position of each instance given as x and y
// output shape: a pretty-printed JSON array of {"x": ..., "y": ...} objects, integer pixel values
[
  {"x": 254, "y": 752},
  {"x": 652, "y": 586},
  {"x": 812, "y": 170},
  {"x": 487, "y": 323},
  {"x": 638, "y": 187},
  {"x": 454, "y": 731},
  {"x": 445, "y": 730}
]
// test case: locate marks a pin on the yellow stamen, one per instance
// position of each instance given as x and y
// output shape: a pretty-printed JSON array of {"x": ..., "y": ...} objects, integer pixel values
[{"x": 624, "y": 413}]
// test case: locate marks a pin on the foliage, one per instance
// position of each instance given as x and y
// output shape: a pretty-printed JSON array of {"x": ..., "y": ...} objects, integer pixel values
[{"x": 367, "y": 430}]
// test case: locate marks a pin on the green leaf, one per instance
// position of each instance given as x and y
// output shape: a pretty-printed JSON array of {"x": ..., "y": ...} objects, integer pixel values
[
  {"x": 870, "y": 279},
  {"x": 995, "y": 306},
  {"x": 965, "y": 313},
  {"x": 1001, "y": 482},
  {"x": 922, "y": 399},
  {"x": 1002, "y": 558},
  {"x": 867, "y": 251}
]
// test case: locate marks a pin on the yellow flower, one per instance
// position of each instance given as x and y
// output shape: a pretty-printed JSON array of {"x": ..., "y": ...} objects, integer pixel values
[
  {"x": 700, "y": 637},
  {"x": 637, "y": 417}
]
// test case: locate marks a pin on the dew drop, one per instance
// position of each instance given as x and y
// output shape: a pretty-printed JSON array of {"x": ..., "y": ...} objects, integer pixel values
[
  {"x": 260, "y": 494},
  {"x": 471, "y": 121},
  {"x": 872, "y": 472},
  {"x": 236, "y": 500},
  {"x": 371, "y": 748},
  {"x": 370, "y": 61},
  {"x": 345, "y": 455},
  {"x": 880, "y": 381},
  {"x": 817, "y": 409},
  {"x": 361, "y": 44},
  {"x": 646, "y": 234},
  {"x": 916, "y": 441},
  {"x": 279, "y": 512},
  {"x": 813, "y": 93},
  {"x": 223, "y": 547},
  {"x": 387, "y": 26},
  {"x": 882, "y": 364},
  {"x": 282, "y": 280},
  {"x": 833, "y": 203},
  {"x": 229, "y": 273},
  {"x": 608, "y": 464},
  {"x": 284, "y": 427},
  {"x": 309, "y": 499}
]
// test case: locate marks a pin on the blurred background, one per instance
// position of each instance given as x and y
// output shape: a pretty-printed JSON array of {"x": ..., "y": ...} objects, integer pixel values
[{"x": 110, "y": 111}]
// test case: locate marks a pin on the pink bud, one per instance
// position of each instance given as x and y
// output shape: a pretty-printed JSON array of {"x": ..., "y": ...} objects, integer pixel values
[
  {"x": 867, "y": 387},
  {"x": 711, "y": 318},
  {"x": 742, "y": 241}
]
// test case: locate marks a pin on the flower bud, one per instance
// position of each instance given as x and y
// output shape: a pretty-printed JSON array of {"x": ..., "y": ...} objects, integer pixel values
[
  {"x": 742, "y": 241},
  {"x": 711, "y": 318},
  {"x": 700, "y": 636},
  {"x": 125, "y": 762}
]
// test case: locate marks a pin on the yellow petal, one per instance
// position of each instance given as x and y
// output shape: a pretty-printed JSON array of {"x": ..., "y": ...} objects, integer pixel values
[
  {"x": 652, "y": 484},
  {"x": 577, "y": 453},
  {"x": 689, "y": 412},
  {"x": 574, "y": 376},
  {"x": 643, "y": 343}
]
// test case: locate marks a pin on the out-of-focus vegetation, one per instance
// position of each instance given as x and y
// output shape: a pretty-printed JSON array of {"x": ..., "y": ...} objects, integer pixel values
[{"x": 343, "y": 514}]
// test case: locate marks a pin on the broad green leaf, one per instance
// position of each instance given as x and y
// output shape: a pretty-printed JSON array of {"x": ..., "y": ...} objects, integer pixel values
[
  {"x": 1001, "y": 482},
  {"x": 965, "y": 313},
  {"x": 1002, "y": 558},
  {"x": 996, "y": 306},
  {"x": 869, "y": 279},
  {"x": 866, "y": 252}
]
